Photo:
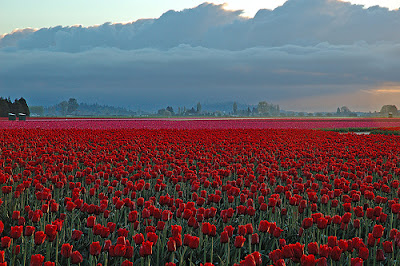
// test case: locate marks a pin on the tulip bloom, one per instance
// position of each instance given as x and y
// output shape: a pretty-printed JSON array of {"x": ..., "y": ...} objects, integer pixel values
[
  {"x": 171, "y": 245},
  {"x": 5, "y": 242},
  {"x": 363, "y": 253},
  {"x": 146, "y": 249},
  {"x": 15, "y": 216},
  {"x": 377, "y": 231},
  {"x": 194, "y": 242},
  {"x": 50, "y": 231},
  {"x": 36, "y": 260},
  {"x": 312, "y": 248},
  {"x": 387, "y": 247},
  {"x": 90, "y": 221},
  {"x": 239, "y": 241},
  {"x": 66, "y": 250},
  {"x": 40, "y": 237},
  {"x": 336, "y": 253},
  {"x": 95, "y": 248},
  {"x": 264, "y": 226},
  {"x": 138, "y": 239},
  {"x": 255, "y": 239},
  {"x": 307, "y": 223},
  {"x": 357, "y": 262},
  {"x": 76, "y": 257},
  {"x": 224, "y": 238},
  {"x": 16, "y": 231},
  {"x": 76, "y": 235}
]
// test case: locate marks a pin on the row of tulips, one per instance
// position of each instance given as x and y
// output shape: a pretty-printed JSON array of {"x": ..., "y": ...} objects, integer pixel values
[
  {"x": 199, "y": 123},
  {"x": 190, "y": 197}
]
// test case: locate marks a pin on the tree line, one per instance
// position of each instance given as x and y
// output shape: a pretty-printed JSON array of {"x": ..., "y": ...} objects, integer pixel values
[{"x": 16, "y": 107}]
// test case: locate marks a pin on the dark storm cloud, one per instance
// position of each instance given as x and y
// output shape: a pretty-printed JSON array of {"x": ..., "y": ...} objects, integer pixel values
[{"x": 304, "y": 48}]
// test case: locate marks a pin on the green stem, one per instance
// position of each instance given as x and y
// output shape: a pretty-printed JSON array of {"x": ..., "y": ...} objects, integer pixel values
[
  {"x": 205, "y": 251},
  {"x": 48, "y": 251},
  {"x": 228, "y": 253},
  {"x": 212, "y": 248},
  {"x": 56, "y": 261},
  {"x": 249, "y": 243}
]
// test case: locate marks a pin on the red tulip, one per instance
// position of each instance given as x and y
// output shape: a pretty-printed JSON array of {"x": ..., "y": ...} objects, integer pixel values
[
  {"x": 5, "y": 242},
  {"x": 146, "y": 248},
  {"x": 287, "y": 252},
  {"x": 29, "y": 230},
  {"x": 76, "y": 235},
  {"x": 363, "y": 253},
  {"x": 388, "y": 247},
  {"x": 249, "y": 229},
  {"x": 176, "y": 230},
  {"x": 15, "y": 216},
  {"x": 336, "y": 253},
  {"x": 91, "y": 221},
  {"x": 37, "y": 260},
  {"x": 66, "y": 250},
  {"x": 152, "y": 237},
  {"x": 95, "y": 248},
  {"x": 132, "y": 216},
  {"x": 357, "y": 262},
  {"x": 325, "y": 251},
  {"x": 346, "y": 218},
  {"x": 138, "y": 238},
  {"x": 76, "y": 257},
  {"x": 377, "y": 231},
  {"x": 395, "y": 208},
  {"x": 50, "y": 231},
  {"x": 171, "y": 245},
  {"x": 120, "y": 250},
  {"x": 307, "y": 223},
  {"x": 255, "y": 239},
  {"x": 127, "y": 263},
  {"x": 16, "y": 231},
  {"x": 380, "y": 256},
  {"x": 239, "y": 241},
  {"x": 160, "y": 225},
  {"x": 224, "y": 238},
  {"x": 40, "y": 237},
  {"x": 194, "y": 242},
  {"x": 312, "y": 248},
  {"x": 264, "y": 226},
  {"x": 277, "y": 232},
  {"x": 322, "y": 223},
  {"x": 308, "y": 260},
  {"x": 128, "y": 252}
]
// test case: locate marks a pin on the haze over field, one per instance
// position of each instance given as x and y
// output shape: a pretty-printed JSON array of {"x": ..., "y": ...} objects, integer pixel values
[{"x": 311, "y": 55}]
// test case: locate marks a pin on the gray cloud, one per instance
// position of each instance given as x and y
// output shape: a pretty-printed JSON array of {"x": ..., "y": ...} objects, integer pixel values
[
  {"x": 187, "y": 74},
  {"x": 306, "y": 48}
]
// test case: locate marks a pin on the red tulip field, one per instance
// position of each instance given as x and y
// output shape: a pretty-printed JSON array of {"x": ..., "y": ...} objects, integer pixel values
[{"x": 78, "y": 194}]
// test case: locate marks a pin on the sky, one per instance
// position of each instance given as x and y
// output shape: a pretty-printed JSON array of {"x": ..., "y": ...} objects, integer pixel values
[{"x": 306, "y": 55}]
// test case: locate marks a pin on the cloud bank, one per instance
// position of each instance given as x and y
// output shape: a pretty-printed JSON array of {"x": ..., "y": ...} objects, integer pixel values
[{"x": 303, "y": 50}]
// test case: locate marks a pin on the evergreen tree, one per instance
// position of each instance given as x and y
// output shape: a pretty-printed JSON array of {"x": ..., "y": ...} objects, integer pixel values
[
  {"x": 23, "y": 107},
  {"x": 235, "y": 108},
  {"x": 198, "y": 110},
  {"x": 4, "y": 108},
  {"x": 72, "y": 105}
]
